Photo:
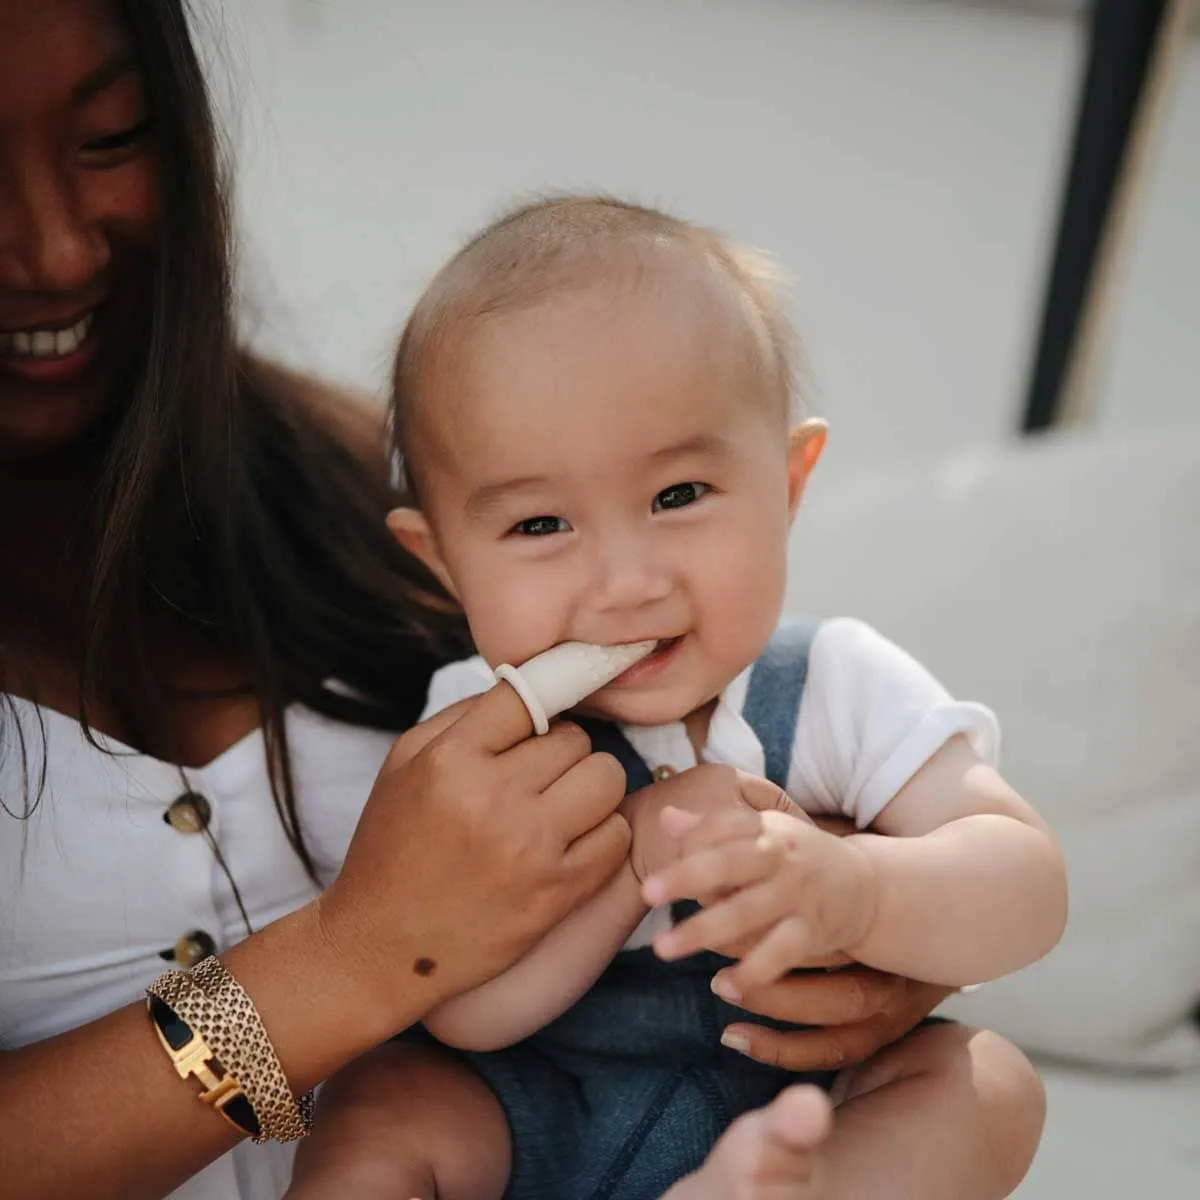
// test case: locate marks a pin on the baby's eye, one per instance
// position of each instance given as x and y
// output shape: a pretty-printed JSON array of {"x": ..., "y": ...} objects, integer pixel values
[
  {"x": 540, "y": 526},
  {"x": 679, "y": 495}
]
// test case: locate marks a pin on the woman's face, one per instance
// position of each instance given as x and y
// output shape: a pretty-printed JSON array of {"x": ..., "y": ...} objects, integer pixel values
[{"x": 78, "y": 206}]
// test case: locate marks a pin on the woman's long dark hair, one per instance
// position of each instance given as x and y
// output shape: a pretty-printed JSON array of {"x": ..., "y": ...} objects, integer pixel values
[{"x": 230, "y": 498}]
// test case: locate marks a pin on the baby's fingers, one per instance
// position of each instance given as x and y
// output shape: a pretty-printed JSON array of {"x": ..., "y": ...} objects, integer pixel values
[
  {"x": 781, "y": 949},
  {"x": 710, "y": 872},
  {"x": 747, "y": 912}
]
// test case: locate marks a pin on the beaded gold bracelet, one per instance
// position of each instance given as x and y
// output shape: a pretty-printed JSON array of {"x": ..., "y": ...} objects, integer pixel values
[{"x": 229, "y": 1051}]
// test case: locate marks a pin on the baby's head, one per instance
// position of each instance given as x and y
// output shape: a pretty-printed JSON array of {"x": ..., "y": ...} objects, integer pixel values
[{"x": 592, "y": 403}]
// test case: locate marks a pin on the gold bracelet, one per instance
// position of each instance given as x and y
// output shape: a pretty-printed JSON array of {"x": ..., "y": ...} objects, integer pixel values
[
  {"x": 209, "y": 1000},
  {"x": 191, "y": 1056}
]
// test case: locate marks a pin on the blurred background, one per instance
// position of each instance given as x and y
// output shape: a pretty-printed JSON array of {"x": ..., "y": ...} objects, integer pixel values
[
  {"x": 902, "y": 160},
  {"x": 934, "y": 177}
]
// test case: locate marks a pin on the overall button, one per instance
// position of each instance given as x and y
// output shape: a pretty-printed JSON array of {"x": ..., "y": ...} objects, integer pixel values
[
  {"x": 193, "y": 947},
  {"x": 191, "y": 813},
  {"x": 663, "y": 772}
]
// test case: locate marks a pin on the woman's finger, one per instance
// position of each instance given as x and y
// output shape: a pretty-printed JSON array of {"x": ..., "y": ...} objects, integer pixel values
[
  {"x": 806, "y": 1049},
  {"x": 892, "y": 1006},
  {"x": 592, "y": 859},
  {"x": 491, "y": 722},
  {"x": 536, "y": 763},
  {"x": 843, "y": 997},
  {"x": 494, "y": 721},
  {"x": 583, "y": 797},
  {"x": 412, "y": 741},
  {"x": 710, "y": 872}
]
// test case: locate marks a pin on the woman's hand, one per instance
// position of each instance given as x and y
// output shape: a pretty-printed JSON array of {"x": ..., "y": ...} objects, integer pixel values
[
  {"x": 854, "y": 1011},
  {"x": 475, "y": 841}
]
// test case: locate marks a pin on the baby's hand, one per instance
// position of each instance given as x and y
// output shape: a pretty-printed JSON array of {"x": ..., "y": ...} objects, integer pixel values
[
  {"x": 794, "y": 893},
  {"x": 716, "y": 797}
]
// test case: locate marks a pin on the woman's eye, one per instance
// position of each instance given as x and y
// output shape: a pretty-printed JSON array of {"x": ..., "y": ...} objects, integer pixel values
[
  {"x": 679, "y": 495},
  {"x": 114, "y": 143},
  {"x": 540, "y": 526}
]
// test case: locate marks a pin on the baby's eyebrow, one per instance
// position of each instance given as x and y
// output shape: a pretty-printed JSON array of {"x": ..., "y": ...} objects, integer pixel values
[
  {"x": 703, "y": 443},
  {"x": 489, "y": 496}
]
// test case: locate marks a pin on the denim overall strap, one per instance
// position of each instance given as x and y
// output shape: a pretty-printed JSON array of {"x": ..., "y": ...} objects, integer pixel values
[{"x": 774, "y": 692}]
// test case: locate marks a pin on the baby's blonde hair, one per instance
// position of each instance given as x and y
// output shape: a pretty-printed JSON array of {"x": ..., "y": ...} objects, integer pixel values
[{"x": 567, "y": 242}]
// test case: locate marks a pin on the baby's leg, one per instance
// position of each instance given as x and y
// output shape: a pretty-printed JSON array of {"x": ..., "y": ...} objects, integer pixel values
[
  {"x": 404, "y": 1123},
  {"x": 947, "y": 1113}
]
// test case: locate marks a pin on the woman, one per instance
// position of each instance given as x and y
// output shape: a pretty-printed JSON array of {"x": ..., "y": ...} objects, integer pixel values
[{"x": 207, "y": 642}]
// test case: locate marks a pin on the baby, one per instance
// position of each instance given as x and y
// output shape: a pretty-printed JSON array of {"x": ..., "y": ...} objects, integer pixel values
[{"x": 594, "y": 406}]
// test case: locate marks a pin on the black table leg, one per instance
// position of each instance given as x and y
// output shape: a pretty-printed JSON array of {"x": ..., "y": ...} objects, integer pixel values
[{"x": 1123, "y": 38}]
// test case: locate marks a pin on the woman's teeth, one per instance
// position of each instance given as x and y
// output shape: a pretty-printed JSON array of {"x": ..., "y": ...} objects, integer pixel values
[{"x": 46, "y": 343}]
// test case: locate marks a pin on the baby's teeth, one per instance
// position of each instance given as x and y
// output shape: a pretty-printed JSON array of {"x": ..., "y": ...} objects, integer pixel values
[
  {"x": 66, "y": 341},
  {"x": 23, "y": 343},
  {"x": 43, "y": 342}
]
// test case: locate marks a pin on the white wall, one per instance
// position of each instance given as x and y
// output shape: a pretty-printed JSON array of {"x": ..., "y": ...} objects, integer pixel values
[
  {"x": 901, "y": 159},
  {"x": 1149, "y": 371}
]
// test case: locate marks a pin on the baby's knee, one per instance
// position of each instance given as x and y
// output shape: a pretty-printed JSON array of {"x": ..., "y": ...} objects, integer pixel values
[
  {"x": 1013, "y": 1099},
  {"x": 986, "y": 1080}
]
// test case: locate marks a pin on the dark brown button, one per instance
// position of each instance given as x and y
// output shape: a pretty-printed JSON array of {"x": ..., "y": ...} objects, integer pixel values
[
  {"x": 663, "y": 772},
  {"x": 191, "y": 813},
  {"x": 193, "y": 947}
]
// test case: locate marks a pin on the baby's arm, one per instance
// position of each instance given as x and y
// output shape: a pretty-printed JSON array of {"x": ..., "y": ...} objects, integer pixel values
[
  {"x": 968, "y": 884},
  {"x": 961, "y": 883},
  {"x": 549, "y": 979}
]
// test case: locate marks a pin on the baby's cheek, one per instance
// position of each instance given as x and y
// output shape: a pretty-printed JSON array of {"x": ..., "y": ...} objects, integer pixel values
[
  {"x": 743, "y": 600},
  {"x": 510, "y": 622}
]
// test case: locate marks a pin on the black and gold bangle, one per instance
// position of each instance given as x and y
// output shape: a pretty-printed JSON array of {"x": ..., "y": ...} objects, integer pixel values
[
  {"x": 215, "y": 1009},
  {"x": 190, "y": 1056}
]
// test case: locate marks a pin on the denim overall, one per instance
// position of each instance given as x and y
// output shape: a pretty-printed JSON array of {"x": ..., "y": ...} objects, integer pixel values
[{"x": 627, "y": 1091}]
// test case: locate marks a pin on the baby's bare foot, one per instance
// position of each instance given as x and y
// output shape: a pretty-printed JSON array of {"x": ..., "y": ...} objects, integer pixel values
[{"x": 770, "y": 1154}]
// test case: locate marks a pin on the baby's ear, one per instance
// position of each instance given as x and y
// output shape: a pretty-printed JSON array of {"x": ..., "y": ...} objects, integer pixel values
[
  {"x": 805, "y": 443},
  {"x": 411, "y": 529}
]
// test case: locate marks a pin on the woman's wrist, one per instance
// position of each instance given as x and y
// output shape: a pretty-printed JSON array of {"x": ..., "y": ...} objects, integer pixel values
[{"x": 317, "y": 1004}]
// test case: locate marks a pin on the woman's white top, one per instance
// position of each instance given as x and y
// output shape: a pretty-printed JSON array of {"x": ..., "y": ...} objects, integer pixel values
[{"x": 95, "y": 884}]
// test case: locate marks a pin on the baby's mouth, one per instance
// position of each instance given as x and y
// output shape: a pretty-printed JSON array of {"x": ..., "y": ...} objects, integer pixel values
[{"x": 662, "y": 648}]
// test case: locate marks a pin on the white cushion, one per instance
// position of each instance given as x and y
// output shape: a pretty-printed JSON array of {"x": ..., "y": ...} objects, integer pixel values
[{"x": 1058, "y": 581}]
